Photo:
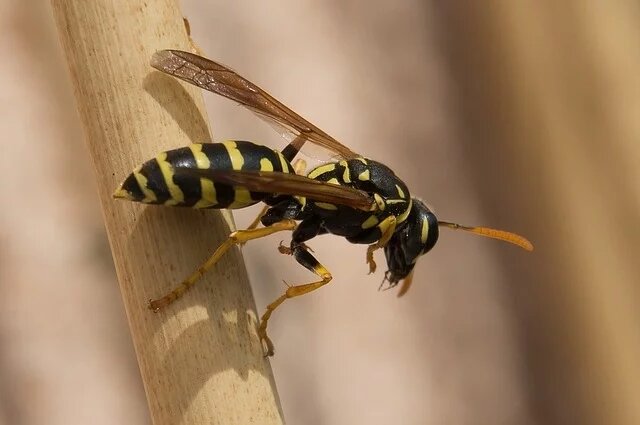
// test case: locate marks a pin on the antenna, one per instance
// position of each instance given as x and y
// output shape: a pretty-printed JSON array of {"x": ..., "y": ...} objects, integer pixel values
[
  {"x": 406, "y": 284},
  {"x": 488, "y": 232}
]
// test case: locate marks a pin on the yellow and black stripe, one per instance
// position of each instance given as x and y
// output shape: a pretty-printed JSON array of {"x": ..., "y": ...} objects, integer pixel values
[
  {"x": 390, "y": 193},
  {"x": 156, "y": 181}
]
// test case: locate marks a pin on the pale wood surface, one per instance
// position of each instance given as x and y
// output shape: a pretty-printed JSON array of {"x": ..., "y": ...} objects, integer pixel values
[{"x": 200, "y": 359}]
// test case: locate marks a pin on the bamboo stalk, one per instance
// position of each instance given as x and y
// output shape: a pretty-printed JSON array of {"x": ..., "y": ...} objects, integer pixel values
[{"x": 200, "y": 359}]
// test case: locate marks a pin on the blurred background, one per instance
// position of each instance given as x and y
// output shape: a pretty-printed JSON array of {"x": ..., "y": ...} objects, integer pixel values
[{"x": 517, "y": 115}]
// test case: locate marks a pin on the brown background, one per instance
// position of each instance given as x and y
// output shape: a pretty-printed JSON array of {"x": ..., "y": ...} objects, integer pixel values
[{"x": 519, "y": 115}]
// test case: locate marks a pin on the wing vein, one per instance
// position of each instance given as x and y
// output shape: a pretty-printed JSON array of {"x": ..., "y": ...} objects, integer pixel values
[{"x": 219, "y": 79}]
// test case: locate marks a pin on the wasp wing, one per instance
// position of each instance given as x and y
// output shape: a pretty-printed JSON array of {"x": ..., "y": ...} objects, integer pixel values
[
  {"x": 287, "y": 184},
  {"x": 223, "y": 81}
]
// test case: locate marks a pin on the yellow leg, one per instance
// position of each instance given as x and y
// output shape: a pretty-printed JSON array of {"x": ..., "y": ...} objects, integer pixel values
[
  {"x": 388, "y": 227},
  {"x": 256, "y": 221},
  {"x": 299, "y": 166},
  {"x": 194, "y": 47},
  {"x": 237, "y": 237},
  {"x": 311, "y": 263}
]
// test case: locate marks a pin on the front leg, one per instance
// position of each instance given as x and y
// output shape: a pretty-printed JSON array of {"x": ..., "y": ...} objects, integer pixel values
[{"x": 388, "y": 228}]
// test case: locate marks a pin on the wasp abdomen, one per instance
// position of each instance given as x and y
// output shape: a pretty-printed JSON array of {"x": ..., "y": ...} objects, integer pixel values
[{"x": 158, "y": 181}]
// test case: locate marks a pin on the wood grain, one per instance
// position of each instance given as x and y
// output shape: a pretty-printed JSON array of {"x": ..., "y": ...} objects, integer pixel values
[{"x": 200, "y": 359}]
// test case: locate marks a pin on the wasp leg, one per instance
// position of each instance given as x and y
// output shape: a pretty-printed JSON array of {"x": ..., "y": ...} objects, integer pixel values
[
  {"x": 235, "y": 238},
  {"x": 303, "y": 257},
  {"x": 194, "y": 47},
  {"x": 299, "y": 166},
  {"x": 307, "y": 229},
  {"x": 388, "y": 227},
  {"x": 256, "y": 221}
]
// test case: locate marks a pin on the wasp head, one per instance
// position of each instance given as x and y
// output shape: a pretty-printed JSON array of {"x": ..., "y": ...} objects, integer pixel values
[{"x": 417, "y": 235}]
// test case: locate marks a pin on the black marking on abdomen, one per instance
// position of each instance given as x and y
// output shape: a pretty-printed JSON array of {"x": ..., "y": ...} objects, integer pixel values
[
  {"x": 220, "y": 160},
  {"x": 261, "y": 158},
  {"x": 190, "y": 186},
  {"x": 155, "y": 181},
  {"x": 253, "y": 154},
  {"x": 159, "y": 180},
  {"x": 131, "y": 186}
]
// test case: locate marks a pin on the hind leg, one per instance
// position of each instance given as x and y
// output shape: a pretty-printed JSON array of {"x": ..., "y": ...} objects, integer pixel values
[{"x": 237, "y": 237}]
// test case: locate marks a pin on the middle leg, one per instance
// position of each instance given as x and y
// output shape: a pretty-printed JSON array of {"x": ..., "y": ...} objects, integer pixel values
[
  {"x": 306, "y": 230},
  {"x": 301, "y": 254}
]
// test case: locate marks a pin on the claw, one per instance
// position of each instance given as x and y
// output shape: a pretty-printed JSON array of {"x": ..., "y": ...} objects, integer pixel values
[
  {"x": 152, "y": 305},
  {"x": 267, "y": 345},
  {"x": 371, "y": 262},
  {"x": 284, "y": 249}
]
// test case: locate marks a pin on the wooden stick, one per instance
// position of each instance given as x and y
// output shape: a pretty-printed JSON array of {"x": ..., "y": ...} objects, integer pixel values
[{"x": 200, "y": 358}]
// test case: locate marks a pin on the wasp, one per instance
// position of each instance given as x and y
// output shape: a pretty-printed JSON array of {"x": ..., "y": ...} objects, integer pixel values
[{"x": 352, "y": 196}]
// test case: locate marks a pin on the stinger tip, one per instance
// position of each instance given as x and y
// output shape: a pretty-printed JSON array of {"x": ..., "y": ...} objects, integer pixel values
[{"x": 120, "y": 193}]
